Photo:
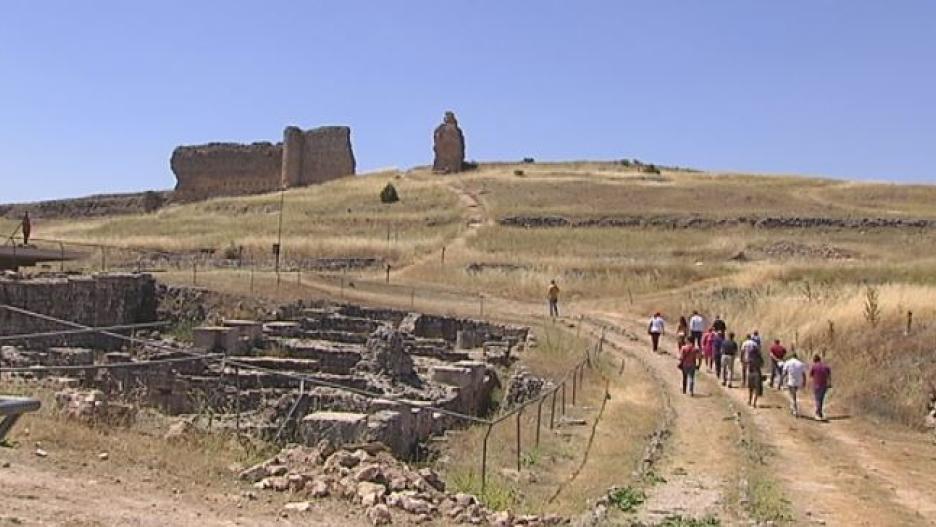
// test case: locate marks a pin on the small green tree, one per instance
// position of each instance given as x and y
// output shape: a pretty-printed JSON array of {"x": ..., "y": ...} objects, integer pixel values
[{"x": 389, "y": 194}]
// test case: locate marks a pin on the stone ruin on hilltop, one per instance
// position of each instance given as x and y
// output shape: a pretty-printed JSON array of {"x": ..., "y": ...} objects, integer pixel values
[
  {"x": 225, "y": 169},
  {"x": 449, "y": 146}
]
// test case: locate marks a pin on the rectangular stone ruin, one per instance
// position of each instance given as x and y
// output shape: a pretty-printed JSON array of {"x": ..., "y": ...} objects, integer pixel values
[
  {"x": 337, "y": 427},
  {"x": 96, "y": 300}
]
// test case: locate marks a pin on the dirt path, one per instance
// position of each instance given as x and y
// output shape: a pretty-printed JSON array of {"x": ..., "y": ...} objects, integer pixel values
[
  {"x": 841, "y": 473},
  {"x": 700, "y": 462}
]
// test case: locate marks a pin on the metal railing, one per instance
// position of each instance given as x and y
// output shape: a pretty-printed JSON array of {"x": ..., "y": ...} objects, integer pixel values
[{"x": 12, "y": 408}]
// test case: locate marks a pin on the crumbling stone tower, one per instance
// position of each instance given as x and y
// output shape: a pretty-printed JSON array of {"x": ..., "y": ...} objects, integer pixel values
[
  {"x": 316, "y": 155},
  {"x": 448, "y": 145}
]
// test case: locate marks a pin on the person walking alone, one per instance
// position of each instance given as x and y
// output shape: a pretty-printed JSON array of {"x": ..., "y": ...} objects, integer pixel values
[
  {"x": 794, "y": 372},
  {"x": 729, "y": 351},
  {"x": 655, "y": 329},
  {"x": 777, "y": 354},
  {"x": 688, "y": 364},
  {"x": 26, "y": 227},
  {"x": 821, "y": 376},
  {"x": 696, "y": 328},
  {"x": 552, "y": 294}
]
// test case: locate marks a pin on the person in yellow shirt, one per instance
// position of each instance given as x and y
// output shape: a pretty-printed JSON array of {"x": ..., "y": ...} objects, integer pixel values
[{"x": 552, "y": 294}]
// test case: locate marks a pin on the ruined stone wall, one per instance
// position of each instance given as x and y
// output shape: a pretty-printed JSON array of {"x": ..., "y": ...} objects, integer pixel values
[
  {"x": 98, "y": 300},
  {"x": 220, "y": 169},
  {"x": 303, "y": 158}
]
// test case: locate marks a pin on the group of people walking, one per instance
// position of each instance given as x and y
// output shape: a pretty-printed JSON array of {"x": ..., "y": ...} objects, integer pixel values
[{"x": 717, "y": 349}]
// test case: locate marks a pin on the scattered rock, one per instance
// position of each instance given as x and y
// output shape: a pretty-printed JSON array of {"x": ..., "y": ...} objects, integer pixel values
[
  {"x": 41, "y": 453},
  {"x": 103, "y": 456},
  {"x": 379, "y": 515},
  {"x": 298, "y": 506}
]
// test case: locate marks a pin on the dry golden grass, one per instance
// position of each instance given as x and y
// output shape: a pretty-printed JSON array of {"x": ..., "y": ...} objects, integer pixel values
[{"x": 342, "y": 218}]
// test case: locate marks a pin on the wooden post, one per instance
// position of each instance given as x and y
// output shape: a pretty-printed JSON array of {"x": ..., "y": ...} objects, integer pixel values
[
  {"x": 481, "y": 310},
  {"x": 484, "y": 445},
  {"x": 539, "y": 418},
  {"x": 251, "y": 279},
  {"x": 552, "y": 411},
  {"x": 103, "y": 259},
  {"x": 443, "y": 255},
  {"x": 388, "y": 273},
  {"x": 909, "y": 321},
  {"x": 519, "y": 413},
  {"x": 194, "y": 272},
  {"x": 563, "y": 398},
  {"x": 574, "y": 384},
  {"x": 62, "y": 256}
]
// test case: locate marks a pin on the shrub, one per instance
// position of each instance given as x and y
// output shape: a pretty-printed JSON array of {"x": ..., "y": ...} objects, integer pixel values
[
  {"x": 627, "y": 499},
  {"x": 152, "y": 201},
  {"x": 529, "y": 160},
  {"x": 389, "y": 194}
]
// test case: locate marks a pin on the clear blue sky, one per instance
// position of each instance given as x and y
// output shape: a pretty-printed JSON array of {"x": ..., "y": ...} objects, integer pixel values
[{"x": 94, "y": 95}]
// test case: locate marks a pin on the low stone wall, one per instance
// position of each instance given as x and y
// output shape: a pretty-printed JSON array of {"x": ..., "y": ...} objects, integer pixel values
[{"x": 97, "y": 300}]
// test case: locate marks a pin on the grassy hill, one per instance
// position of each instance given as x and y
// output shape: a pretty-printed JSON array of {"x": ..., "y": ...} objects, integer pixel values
[{"x": 837, "y": 289}]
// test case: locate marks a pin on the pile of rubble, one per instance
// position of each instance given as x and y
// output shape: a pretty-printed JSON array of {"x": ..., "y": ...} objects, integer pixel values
[{"x": 374, "y": 479}]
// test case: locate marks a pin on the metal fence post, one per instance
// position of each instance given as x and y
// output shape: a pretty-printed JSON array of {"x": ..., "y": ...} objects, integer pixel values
[
  {"x": 519, "y": 413},
  {"x": 484, "y": 449}
]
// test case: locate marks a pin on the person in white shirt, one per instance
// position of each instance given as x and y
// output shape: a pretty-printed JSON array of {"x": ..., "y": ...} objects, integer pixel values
[
  {"x": 794, "y": 371},
  {"x": 747, "y": 347},
  {"x": 696, "y": 328},
  {"x": 655, "y": 329}
]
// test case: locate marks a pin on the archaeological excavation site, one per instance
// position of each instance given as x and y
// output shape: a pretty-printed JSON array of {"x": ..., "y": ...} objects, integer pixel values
[{"x": 356, "y": 396}]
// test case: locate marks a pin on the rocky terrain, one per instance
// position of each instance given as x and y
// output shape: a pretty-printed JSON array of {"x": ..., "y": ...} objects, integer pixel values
[{"x": 698, "y": 222}]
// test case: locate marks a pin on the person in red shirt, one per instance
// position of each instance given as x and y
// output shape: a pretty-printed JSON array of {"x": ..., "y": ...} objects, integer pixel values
[
  {"x": 688, "y": 364},
  {"x": 821, "y": 376},
  {"x": 777, "y": 354},
  {"x": 708, "y": 352}
]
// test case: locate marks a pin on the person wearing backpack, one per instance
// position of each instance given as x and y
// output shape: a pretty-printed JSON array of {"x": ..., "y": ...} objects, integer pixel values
[{"x": 688, "y": 364}]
